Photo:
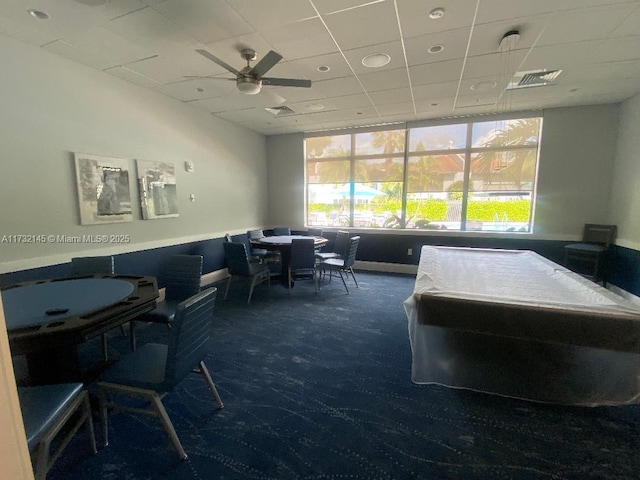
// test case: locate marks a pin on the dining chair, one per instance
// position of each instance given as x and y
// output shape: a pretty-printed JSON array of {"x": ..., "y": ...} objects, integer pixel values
[
  {"x": 182, "y": 275},
  {"x": 238, "y": 265},
  {"x": 155, "y": 369},
  {"x": 596, "y": 240},
  {"x": 314, "y": 232},
  {"x": 282, "y": 231},
  {"x": 339, "y": 247},
  {"x": 47, "y": 414},
  {"x": 302, "y": 260},
  {"x": 87, "y": 266},
  {"x": 341, "y": 265}
]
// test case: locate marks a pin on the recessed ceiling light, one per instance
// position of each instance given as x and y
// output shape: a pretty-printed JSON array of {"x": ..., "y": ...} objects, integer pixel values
[
  {"x": 315, "y": 107},
  {"x": 376, "y": 60},
  {"x": 38, "y": 14},
  {"x": 435, "y": 104},
  {"x": 324, "y": 68},
  {"x": 436, "y": 13},
  {"x": 573, "y": 90},
  {"x": 436, "y": 49},
  {"x": 483, "y": 86},
  {"x": 199, "y": 89},
  {"x": 358, "y": 113}
]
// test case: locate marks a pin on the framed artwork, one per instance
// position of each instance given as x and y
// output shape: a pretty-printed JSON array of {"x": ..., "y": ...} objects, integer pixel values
[
  {"x": 104, "y": 194},
  {"x": 158, "y": 194}
]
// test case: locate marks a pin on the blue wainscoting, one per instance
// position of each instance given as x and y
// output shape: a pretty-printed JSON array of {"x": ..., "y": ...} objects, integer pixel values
[{"x": 622, "y": 266}]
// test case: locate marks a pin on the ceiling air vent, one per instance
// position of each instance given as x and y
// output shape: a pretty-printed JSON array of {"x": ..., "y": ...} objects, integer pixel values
[
  {"x": 280, "y": 111},
  {"x": 533, "y": 78}
]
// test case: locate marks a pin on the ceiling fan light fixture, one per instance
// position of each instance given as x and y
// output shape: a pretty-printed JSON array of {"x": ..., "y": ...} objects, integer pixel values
[
  {"x": 249, "y": 86},
  {"x": 39, "y": 14}
]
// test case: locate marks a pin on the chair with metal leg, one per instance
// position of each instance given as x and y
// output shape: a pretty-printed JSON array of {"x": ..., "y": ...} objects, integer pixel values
[
  {"x": 47, "y": 413},
  {"x": 238, "y": 265},
  {"x": 342, "y": 265},
  {"x": 154, "y": 369},
  {"x": 302, "y": 260}
]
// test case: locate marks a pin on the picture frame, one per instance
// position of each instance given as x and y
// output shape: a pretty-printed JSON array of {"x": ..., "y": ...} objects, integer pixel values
[
  {"x": 104, "y": 194},
  {"x": 158, "y": 189}
]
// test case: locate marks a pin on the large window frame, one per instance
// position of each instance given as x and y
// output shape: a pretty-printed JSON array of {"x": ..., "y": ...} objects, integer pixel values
[{"x": 475, "y": 174}]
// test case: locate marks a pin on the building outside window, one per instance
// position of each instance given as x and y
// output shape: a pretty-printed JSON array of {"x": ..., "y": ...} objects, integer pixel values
[{"x": 464, "y": 176}]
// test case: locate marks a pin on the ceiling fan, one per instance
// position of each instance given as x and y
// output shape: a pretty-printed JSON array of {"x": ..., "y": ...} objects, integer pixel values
[{"x": 250, "y": 80}]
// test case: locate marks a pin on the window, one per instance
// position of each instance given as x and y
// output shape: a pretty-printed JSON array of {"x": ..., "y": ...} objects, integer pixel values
[{"x": 465, "y": 176}]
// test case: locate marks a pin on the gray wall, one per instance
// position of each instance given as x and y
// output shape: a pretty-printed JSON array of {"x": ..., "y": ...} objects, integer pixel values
[
  {"x": 577, "y": 154},
  {"x": 625, "y": 193},
  {"x": 53, "y": 107}
]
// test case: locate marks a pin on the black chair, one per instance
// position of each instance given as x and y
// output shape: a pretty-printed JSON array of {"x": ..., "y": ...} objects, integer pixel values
[
  {"x": 88, "y": 266},
  {"x": 339, "y": 247},
  {"x": 314, "y": 232},
  {"x": 342, "y": 265},
  {"x": 47, "y": 412},
  {"x": 282, "y": 231},
  {"x": 238, "y": 265},
  {"x": 596, "y": 240},
  {"x": 182, "y": 276},
  {"x": 302, "y": 260},
  {"x": 155, "y": 369}
]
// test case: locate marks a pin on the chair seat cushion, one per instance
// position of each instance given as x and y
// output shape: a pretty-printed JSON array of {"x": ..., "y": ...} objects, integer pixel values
[
  {"x": 586, "y": 247},
  {"x": 163, "y": 313},
  {"x": 144, "y": 368},
  {"x": 42, "y": 405},
  {"x": 327, "y": 255},
  {"x": 332, "y": 263}
]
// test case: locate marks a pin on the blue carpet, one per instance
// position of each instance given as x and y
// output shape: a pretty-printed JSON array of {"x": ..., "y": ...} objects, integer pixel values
[{"x": 317, "y": 386}]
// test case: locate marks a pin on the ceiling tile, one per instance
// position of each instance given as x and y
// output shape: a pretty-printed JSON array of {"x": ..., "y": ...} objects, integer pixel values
[
  {"x": 415, "y": 21},
  {"x": 385, "y": 79},
  {"x": 499, "y": 10},
  {"x": 375, "y": 25},
  {"x": 393, "y": 49},
  {"x": 308, "y": 67},
  {"x": 616, "y": 50},
  {"x": 187, "y": 90},
  {"x": 453, "y": 41},
  {"x": 131, "y": 76},
  {"x": 448, "y": 71},
  {"x": 486, "y": 38},
  {"x": 391, "y": 96},
  {"x": 300, "y": 40},
  {"x": 262, "y": 15},
  {"x": 332, "y": 6},
  {"x": 338, "y": 87},
  {"x": 630, "y": 25}
]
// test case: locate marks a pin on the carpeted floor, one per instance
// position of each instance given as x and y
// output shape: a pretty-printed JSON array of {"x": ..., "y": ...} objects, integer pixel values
[{"x": 317, "y": 386}]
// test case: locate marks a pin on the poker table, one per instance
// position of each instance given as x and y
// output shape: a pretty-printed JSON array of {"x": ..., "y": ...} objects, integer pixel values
[
  {"x": 47, "y": 320},
  {"x": 282, "y": 244}
]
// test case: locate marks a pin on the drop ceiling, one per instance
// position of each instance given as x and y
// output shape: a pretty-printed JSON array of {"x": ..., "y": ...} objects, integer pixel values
[{"x": 152, "y": 43}]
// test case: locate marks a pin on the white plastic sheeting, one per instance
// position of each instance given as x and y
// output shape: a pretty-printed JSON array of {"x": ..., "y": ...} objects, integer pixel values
[{"x": 513, "y": 323}]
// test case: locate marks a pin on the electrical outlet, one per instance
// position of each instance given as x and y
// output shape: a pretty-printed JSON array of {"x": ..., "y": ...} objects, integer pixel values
[{"x": 409, "y": 251}]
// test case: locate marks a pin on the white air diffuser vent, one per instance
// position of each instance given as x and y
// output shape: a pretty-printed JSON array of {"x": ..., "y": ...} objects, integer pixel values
[
  {"x": 533, "y": 78},
  {"x": 280, "y": 111}
]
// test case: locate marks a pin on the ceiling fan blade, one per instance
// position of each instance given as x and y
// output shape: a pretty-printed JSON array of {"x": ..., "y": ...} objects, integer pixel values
[
  {"x": 266, "y": 64},
  {"x": 286, "y": 82},
  {"x": 208, "y": 77},
  {"x": 215, "y": 59}
]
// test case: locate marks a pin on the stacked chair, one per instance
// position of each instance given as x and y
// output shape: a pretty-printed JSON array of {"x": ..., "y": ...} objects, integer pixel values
[
  {"x": 155, "y": 369},
  {"x": 339, "y": 247}
]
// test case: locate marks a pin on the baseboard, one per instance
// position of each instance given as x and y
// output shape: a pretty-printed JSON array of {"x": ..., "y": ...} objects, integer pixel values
[
  {"x": 386, "y": 267},
  {"x": 213, "y": 277}
]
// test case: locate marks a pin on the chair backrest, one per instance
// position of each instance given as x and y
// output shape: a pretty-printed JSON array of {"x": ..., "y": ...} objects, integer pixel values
[
  {"x": 91, "y": 265},
  {"x": 189, "y": 335},
  {"x": 255, "y": 234},
  {"x": 303, "y": 253},
  {"x": 235, "y": 254},
  {"x": 182, "y": 276},
  {"x": 282, "y": 231},
  {"x": 602, "y": 234},
  {"x": 314, "y": 232},
  {"x": 340, "y": 245},
  {"x": 350, "y": 252}
]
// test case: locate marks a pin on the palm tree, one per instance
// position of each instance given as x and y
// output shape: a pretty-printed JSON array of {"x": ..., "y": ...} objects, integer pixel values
[{"x": 516, "y": 165}]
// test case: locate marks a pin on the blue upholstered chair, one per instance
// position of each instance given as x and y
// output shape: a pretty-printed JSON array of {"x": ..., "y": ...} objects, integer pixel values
[
  {"x": 47, "y": 412},
  {"x": 341, "y": 265},
  {"x": 87, "y": 266},
  {"x": 182, "y": 277},
  {"x": 282, "y": 231},
  {"x": 339, "y": 246},
  {"x": 262, "y": 253},
  {"x": 238, "y": 265},
  {"x": 155, "y": 369},
  {"x": 596, "y": 240},
  {"x": 303, "y": 260}
]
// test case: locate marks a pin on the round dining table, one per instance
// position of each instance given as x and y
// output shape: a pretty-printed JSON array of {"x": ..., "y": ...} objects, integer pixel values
[{"x": 282, "y": 243}]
